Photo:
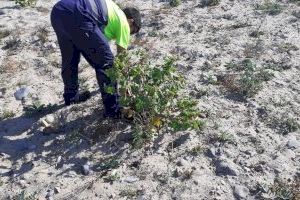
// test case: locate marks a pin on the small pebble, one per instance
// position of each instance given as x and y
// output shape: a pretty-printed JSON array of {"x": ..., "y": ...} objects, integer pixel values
[
  {"x": 182, "y": 162},
  {"x": 22, "y": 93},
  {"x": 212, "y": 153},
  {"x": 86, "y": 170},
  {"x": 288, "y": 153},
  {"x": 56, "y": 190},
  {"x": 72, "y": 174},
  {"x": 22, "y": 183},
  {"x": 241, "y": 192},
  {"x": 293, "y": 144},
  {"x": 131, "y": 179},
  {"x": 226, "y": 167},
  {"x": 49, "y": 195},
  {"x": 58, "y": 159},
  {"x": 50, "y": 119}
]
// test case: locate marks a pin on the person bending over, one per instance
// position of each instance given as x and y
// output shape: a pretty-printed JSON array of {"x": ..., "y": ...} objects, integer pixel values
[{"x": 85, "y": 27}]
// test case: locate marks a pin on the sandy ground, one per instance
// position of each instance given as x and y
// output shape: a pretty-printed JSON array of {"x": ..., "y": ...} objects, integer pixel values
[{"x": 247, "y": 144}]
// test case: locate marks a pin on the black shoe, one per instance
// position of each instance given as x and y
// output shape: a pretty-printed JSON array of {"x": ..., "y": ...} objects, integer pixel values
[
  {"x": 78, "y": 98},
  {"x": 122, "y": 113}
]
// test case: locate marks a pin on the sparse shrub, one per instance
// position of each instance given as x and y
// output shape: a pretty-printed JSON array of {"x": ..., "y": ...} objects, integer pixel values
[
  {"x": 73, "y": 137},
  {"x": 153, "y": 34},
  {"x": 139, "y": 137},
  {"x": 289, "y": 125},
  {"x": 112, "y": 177},
  {"x": 7, "y": 114},
  {"x": 205, "y": 3},
  {"x": 264, "y": 75},
  {"x": 249, "y": 81},
  {"x": 212, "y": 80},
  {"x": 187, "y": 174},
  {"x": 285, "y": 190},
  {"x": 270, "y": 7},
  {"x": 198, "y": 93},
  {"x": 254, "y": 50},
  {"x": 83, "y": 83},
  {"x": 277, "y": 66},
  {"x": 223, "y": 137},
  {"x": 1, "y": 183},
  {"x": 256, "y": 34},
  {"x": 55, "y": 64},
  {"x": 130, "y": 193},
  {"x": 175, "y": 3},
  {"x": 25, "y": 3},
  {"x": 4, "y": 33},
  {"x": 240, "y": 66},
  {"x": 287, "y": 47},
  {"x": 197, "y": 150},
  {"x": 24, "y": 196},
  {"x": 283, "y": 125},
  {"x": 42, "y": 33},
  {"x": 38, "y": 108},
  {"x": 296, "y": 13},
  {"x": 108, "y": 164},
  {"x": 295, "y": 1},
  {"x": 12, "y": 44},
  {"x": 42, "y": 9},
  {"x": 153, "y": 93},
  {"x": 240, "y": 25}
]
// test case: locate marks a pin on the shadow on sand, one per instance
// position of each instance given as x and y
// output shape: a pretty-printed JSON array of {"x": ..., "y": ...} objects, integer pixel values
[{"x": 18, "y": 140}]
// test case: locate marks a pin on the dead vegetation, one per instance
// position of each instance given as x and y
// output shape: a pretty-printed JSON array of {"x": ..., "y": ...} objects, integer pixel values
[
  {"x": 248, "y": 81},
  {"x": 12, "y": 44},
  {"x": 10, "y": 65},
  {"x": 205, "y": 3},
  {"x": 6, "y": 114},
  {"x": 42, "y": 33},
  {"x": 270, "y": 7},
  {"x": 4, "y": 34},
  {"x": 285, "y": 189}
]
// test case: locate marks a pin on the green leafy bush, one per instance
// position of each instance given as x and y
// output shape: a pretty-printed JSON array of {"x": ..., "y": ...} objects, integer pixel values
[
  {"x": 152, "y": 91},
  {"x": 25, "y": 3}
]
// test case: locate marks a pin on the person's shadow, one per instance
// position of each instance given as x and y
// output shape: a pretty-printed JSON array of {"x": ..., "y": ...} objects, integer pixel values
[{"x": 22, "y": 142}]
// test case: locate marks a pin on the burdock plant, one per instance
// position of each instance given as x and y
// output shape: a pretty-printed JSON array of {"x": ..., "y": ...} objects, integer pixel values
[{"x": 153, "y": 92}]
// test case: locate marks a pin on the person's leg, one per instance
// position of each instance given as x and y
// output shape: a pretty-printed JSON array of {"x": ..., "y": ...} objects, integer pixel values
[
  {"x": 95, "y": 48},
  {"x": 70, "y": 60},
  {"x": 61, "y": 21}
]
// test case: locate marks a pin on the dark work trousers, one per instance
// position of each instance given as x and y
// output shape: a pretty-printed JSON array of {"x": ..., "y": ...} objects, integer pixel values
[{"x": 77, "y": 34}]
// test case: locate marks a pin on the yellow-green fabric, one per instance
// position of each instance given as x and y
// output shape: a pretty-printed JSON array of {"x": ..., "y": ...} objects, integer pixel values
[{"x": 117, "y": 28}]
